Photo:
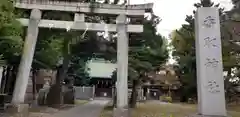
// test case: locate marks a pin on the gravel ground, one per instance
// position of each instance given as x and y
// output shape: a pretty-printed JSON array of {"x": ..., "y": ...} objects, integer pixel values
[
  {"x": 30, "y": 115},
  {"x": 37, "y": 112},
  {"x": 92, "y": 109}
]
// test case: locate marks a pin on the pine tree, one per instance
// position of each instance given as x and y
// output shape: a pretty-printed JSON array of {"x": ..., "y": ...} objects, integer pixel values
[{"x": 183, "y": 41}]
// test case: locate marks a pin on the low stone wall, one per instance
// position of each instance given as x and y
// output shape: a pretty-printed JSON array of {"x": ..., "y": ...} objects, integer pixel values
[{"x": 70, "y": 94}]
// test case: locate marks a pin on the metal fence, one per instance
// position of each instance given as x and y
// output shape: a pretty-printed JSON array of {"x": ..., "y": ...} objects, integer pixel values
[{"x": 84, "y": 93}]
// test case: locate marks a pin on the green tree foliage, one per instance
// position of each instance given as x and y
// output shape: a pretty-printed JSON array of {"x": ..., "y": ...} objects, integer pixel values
[
  {"x": 146, "y": 53},
  {"x": 149, "y": 51},
  {"x": 50, "y": 44},
  {"x": 79, "y": 71},
  {"x": 230, "y": 40},
  {"x": 184, "y": 54},
  {"x": 10, "y": 33},
  {"x": 235, "y": 2},
  {"x": 183, "y": 42}
]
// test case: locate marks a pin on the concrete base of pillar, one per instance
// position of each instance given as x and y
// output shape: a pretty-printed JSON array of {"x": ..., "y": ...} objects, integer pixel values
[
  {"x": 20, "y": 110},
  {"x": 121, "y": 112},
  {"x": 198, "y": 115}
]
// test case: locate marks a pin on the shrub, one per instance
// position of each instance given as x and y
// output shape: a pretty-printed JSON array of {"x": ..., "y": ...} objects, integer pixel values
[{"x": 166, "y": 99}]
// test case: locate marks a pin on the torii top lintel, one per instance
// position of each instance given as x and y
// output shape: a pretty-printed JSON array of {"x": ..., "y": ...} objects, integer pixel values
[{"x": 130, "y": 10}]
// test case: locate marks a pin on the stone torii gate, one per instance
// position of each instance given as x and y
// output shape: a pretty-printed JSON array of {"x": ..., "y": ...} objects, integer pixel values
[{"x": 79, "y": 9}]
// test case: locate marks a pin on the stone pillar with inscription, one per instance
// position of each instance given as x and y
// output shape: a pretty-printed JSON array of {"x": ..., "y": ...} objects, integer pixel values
[{"x": 210, "y": 82}]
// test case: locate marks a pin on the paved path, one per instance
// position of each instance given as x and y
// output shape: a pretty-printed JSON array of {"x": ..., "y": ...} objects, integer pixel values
[{"x": 91, "y": 109}]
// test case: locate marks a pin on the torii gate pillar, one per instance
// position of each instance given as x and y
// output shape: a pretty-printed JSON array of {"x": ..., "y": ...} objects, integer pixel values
[{"x": 122, "y": 67}]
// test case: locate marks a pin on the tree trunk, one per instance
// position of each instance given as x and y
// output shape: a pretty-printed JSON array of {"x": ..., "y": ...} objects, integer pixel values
[
  {"x": 34, "y": 83},
  {"x": 8, "y": 79},
  {"x": 4, "y": 80},
  {"x": 57, "y": 98},
  {"x": 53, "y": 97},
  {"x": 1, "y": 75},
  {"x": 14, "y": 78},
  {"x": 115, "y": 98},
  {"x": 11, "y": 79},
  {"x": 183, "y": 95},
  {"x": 227, "y": 86},
  {"x": 133, "y": 99}
]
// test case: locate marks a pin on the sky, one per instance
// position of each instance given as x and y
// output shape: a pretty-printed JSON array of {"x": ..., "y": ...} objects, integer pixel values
[{"x": 173, "y": 13}]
